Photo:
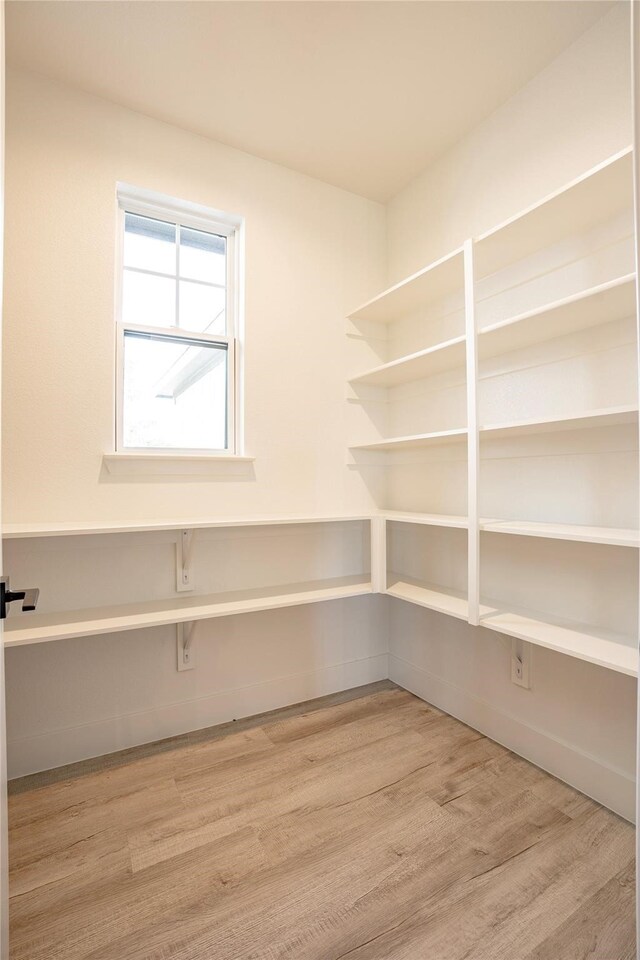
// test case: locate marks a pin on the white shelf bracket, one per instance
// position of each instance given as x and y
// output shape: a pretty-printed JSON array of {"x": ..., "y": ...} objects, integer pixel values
[
  {"x": 521, "y": 663},
  {"x": 184, "y": 645},
  {"x": 184, "y": 550}
]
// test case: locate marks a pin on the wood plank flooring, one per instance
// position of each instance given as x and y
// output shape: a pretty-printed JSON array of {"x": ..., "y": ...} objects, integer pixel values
[{"x": 374, "y": 828}]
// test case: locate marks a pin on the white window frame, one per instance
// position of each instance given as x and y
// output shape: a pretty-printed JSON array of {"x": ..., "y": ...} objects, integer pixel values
[{"x": 184, "y": 214}]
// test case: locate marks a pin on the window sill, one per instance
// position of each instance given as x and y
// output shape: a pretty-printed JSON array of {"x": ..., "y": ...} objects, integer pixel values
[{"x": 177, "y": 465}]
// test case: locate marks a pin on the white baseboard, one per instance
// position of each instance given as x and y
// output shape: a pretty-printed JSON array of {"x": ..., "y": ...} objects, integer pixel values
[
  {"x": 55, "y": 748},
  {"x": 609, "y": 786}
]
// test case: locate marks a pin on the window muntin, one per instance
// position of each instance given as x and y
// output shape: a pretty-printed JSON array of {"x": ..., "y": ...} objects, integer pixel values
[
  {"x": 174, "y": 271},
  {"x": 176, "y": 356}
]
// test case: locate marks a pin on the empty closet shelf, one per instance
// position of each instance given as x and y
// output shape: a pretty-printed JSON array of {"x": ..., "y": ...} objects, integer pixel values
[
  {"x": 429, "y": 595},
  {"x": 597, "y": 196},
  {"x": 416, "y": 441},
  {"x": 438, "y": 279},
  {"x": 427, "y": 519},
  {"x": 604, "y": 303},
  {"x": 424, "y": 363},
  {"x": 604, "y": 417},
  {"x": 615, "y": 651},
  {"x": 615, "y": 536},
  {"x": 80, "y": 623}
]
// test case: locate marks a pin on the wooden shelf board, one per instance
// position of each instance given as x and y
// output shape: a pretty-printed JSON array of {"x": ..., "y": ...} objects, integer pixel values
[
  {"x": 592, "y": 198},
  {"x": 20, "y": 531},
  {"x": 424, "y": 363},
  {"x": 613, "y": 652},
  {"x": 615, "y": 536},
  {"x": 37, "y": 628},
  {"x": 609, "y": 416},
  {"x": 416, "y": 441},
  {"x": 607, "y": 302},
  {"x": 432, "y": 596},
  {"x": 433, "y": 282},
  {"x": 429, "y": 519}
]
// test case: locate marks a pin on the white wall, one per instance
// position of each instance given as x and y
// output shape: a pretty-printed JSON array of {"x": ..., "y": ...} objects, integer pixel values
[
  {"x": 312, "y": 252},
  {"x": 577, "y": 720},
  {"x": 74, "y": 699},
  {"x": 574, "y": 114}
]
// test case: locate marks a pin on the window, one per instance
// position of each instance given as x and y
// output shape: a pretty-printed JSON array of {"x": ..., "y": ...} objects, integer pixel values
[{"x": 177, "y": 327}]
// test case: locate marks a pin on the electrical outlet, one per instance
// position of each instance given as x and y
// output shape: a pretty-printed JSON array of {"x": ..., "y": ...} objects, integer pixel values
[{"x": 521, "y": 663}]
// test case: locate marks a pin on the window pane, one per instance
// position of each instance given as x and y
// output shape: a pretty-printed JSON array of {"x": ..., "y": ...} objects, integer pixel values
[
  {"x": 202, "y": 308},
  {"x": 175, "y": 393},
  {"x": 148, "y": 300},
  {"x": 203, "y": 256},
  {"x": 149, "y": 244}
]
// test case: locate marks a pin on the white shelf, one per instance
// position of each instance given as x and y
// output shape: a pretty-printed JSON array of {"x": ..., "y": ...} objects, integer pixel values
[
  {"x": 37, "y": 628},
  {"x": 432, "y": 596},
  {"x": 435, "y": 281},
  {"x": 609, "y": 416},
  {"x": 615, "y": 536},
  {"x": 424, "y": 363},
  {"x": 429, "y": 519},
  {"x": 607, "y": 302},
  {"x": 416, "y": 441},
  {"x": 598, "y": 195},
  {"x": 614, "y": 652},
  {"x": 21, "y": 531}
]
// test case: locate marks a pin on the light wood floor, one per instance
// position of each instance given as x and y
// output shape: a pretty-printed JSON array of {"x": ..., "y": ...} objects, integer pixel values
[{"x": 374, "y": 828}]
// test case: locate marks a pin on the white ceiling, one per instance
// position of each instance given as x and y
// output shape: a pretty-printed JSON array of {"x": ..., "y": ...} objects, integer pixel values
[{"x": 360, "y": 94}]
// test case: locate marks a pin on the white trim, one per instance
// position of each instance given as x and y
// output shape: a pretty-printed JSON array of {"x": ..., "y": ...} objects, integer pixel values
[
  {"x": 634, "y": 32},
  {"x": 185, "y": 212},
  {"x": 55, "y": 748},
  {"x": 135, "y": 200},
  {"x": 4, "y": 818},
  {"x": 176, "y": 333},
  {"x": 178, "y": 463}
]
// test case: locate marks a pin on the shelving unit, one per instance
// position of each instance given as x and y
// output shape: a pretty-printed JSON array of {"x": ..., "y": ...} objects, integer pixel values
[
  {"x": 136, "y": 576},
  {"x": 416, "y": 330},
  {"x": 39, "y": 628},
  {"x": 537, "y": 361}
]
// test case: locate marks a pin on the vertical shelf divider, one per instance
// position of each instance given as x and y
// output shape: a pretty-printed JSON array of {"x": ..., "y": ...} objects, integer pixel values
[
  {"x": 379, "y": 554},
  {"x": 473, "y": 438}
]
